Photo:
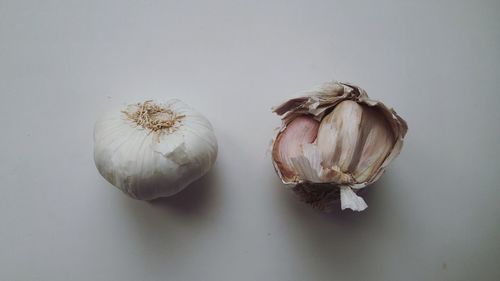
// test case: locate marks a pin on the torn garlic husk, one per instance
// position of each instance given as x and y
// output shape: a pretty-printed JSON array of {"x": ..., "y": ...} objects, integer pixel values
[
  {"x": 150, "y": 150},
  {"x": 334, "y": 142}
]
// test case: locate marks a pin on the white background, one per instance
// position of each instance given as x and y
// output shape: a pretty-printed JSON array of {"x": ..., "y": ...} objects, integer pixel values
[{"x": 435, "y": 214}]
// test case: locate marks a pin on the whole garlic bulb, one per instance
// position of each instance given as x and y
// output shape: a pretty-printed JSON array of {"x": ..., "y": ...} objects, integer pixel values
[
  {"x": 151, "y": 150},
  {"x": 333, "y": 142}
]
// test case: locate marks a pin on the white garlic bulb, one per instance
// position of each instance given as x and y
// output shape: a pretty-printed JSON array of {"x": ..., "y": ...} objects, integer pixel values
[
  {"x": 151, "y": 150},
  {"x": 335, "y": 141}
]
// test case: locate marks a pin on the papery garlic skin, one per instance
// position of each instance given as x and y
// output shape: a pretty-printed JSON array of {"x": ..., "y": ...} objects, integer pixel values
[
  {"x": 148, "y": 164},
  {"x": 356, "y": 139}
]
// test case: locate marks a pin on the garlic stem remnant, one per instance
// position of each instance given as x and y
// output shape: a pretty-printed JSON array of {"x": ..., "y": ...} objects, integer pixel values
[
  {"x": 334, "y": 142},
  {"x": 151, "y": 150}
]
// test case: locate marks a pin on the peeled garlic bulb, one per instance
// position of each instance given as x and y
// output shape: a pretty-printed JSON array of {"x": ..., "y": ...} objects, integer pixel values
[
  {"x": 151, "y": 150},
  {"x": 334, "y": 142}
]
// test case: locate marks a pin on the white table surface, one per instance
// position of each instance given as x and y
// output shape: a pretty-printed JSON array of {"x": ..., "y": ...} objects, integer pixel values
[{"x": 435, "y": 214}]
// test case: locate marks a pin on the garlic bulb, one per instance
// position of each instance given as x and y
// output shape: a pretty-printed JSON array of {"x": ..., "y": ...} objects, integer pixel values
[
  {"x": 333, "y": 142},
  {"x": 151, "y": 150}
]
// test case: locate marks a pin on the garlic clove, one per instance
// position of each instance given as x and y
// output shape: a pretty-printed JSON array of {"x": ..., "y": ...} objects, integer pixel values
[
  {"x": 355, "y": 138},
  {"x": 375, "y": 144},
  {"x": 301, "y": 131},
  {"x": 338, "y": 132}
]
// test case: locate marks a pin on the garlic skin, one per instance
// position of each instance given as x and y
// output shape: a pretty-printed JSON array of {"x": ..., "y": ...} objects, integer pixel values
[
  {"x": 150, "y": 150},
  {"x": 333, "y": 142}
]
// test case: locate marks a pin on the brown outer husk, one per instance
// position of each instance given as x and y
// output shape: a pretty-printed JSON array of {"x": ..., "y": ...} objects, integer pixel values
[{"x": 318, "y": 103}]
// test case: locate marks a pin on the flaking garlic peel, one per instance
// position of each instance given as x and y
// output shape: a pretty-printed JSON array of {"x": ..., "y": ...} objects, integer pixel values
[
  {"x": 334, "y": 142},
  {"x": 151, "y": 149}
]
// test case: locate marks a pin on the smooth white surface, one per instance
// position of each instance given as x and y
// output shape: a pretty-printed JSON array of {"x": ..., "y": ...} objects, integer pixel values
[{"x": 433, "y": 216}]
